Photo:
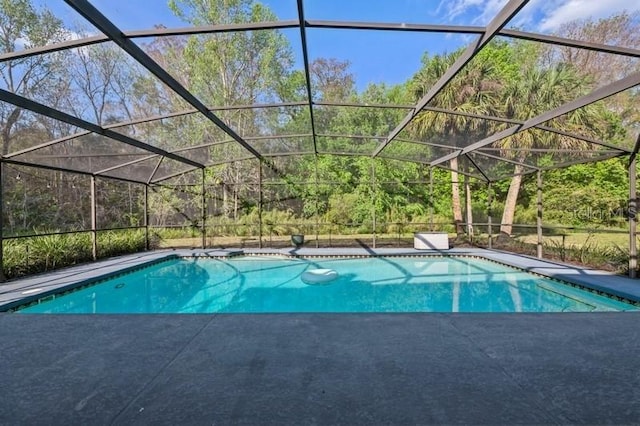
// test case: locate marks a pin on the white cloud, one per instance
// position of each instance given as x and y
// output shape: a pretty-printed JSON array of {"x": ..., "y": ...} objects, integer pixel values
[
  {"x": 537, "y": 15},
  {"x": 479, "y": 12},
  {"x": 582, "y": 9}
]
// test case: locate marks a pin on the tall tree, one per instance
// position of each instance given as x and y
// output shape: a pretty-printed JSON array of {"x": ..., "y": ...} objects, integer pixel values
[
  {"x": 622, "y": 29},
  {"x": 234, "y": 68},
  {"x": 600, "y": 68},
  {"x": 100, "y": 76},
  {"x": 538, "y": 90},
  {"x": 473, "y": 91},
  {"x": 23, "y": 26}
]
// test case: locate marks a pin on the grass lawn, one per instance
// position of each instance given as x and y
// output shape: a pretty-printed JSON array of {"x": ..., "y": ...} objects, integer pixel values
[{"x": 579, "y": 239}]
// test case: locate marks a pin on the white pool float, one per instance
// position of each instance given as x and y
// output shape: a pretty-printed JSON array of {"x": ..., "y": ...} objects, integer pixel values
[{"x": 319, "y": 276}]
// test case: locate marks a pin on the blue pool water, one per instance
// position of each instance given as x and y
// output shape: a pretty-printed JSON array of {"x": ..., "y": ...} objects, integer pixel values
[{"x": 375, "y": 284}]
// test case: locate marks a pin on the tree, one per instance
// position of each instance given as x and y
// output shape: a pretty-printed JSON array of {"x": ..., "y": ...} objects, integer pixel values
[
  {"x": 538, "y": 90},
  {"x": 474, "y": 91},
  {"x": 24, "y": 26},
  {"x": 100, "y": 76},
  {"x": 331, "y": 79},
  {"x": 622, "y": 29},
  {"x": 233, "y": 68},
  {"x": 600, "y": 68}
]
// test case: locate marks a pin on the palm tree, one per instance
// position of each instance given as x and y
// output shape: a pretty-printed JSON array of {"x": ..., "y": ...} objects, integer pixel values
[
  {"x": 474, "y": 91},
  {"x": 539, "y": 90}
]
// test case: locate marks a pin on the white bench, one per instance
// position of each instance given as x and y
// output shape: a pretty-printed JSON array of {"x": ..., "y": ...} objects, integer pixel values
[{"x": 431, "y": 241}]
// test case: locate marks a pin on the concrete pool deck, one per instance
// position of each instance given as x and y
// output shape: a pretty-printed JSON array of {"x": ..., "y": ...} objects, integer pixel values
[
  {"x": 352, "y": 369},
  {"x": 325, "y": 369}
]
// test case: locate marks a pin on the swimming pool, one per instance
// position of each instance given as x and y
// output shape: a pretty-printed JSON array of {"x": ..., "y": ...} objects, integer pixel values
[{"x": 261, "y": 284}]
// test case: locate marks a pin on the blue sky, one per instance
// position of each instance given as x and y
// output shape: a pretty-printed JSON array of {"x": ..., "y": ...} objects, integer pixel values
[{"x": 389, "y": 57}]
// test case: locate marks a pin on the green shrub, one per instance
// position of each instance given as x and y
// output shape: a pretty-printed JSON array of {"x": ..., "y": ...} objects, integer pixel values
[
  {"x": 276, "y": 222},
  {"x": 30, "y": 255},
  {"x": 609, "y": 257},
  {"x": 113, "y": 243}
]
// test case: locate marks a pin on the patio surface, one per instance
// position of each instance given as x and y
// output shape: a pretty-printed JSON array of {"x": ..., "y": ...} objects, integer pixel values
[{"x": 320, "y": 369}]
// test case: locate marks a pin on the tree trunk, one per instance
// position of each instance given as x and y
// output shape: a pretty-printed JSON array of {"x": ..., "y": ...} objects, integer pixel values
[
  {"x": 506, "y": 224},
  {"x": 468, "y": 208},
  {"x": 226, "y": 208},
  {"x": 455, "y": 197},
  {"x": 12, "y": 119},
  {"x": 235, "y": 203},
  {"x": 236, "y": 189}
]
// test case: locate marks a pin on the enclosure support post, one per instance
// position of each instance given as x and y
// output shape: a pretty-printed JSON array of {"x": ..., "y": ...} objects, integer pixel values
[
  {"x": 539, "y": 215},
  {"x": 373, "y": 191},
  {"x": 204, "y": 209},
  {"x": 467, "y": 206},
  {"x": 260, "y": 201},
  {"x": 146, "y": 216},
  {"x": 2, "y": 277},
  {"x": 489, "y": 219},
  {"x": 431, "y": 199},
  {"x": 317, "y": 201},
  {"x": 94, "y": 235},
  {"x": 633, "y": 250}
]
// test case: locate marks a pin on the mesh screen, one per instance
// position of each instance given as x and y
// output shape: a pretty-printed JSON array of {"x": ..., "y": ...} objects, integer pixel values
[
  {"x": 540, "y": 148},
  {"x": 30, "y": 130},
  {"x": 139, "y": 170},
  {"x": 421, "y": 152},
  {"x": 210, "y": 73},
  {"x": 566, "y": 21},
  {"x": 38, "y": 201},
  {"x": 597, "y": 123},
  {"x": 176, "y": 133},
  {"x": 119, "y": 204},
  {"x": 228, "y": 152},
  {"x": 169, "y": 168},
  {"x": 346, "y": 145},
  {"x": 175, "y": 206},
  {"x": 283, "y": 145},
  {"x": 132, "y": 15},
  {"x": 356, "y": 120},
  {"x": 90, "y": 153}
]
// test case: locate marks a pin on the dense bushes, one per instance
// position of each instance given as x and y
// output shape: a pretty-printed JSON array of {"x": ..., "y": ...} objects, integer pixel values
[{"x": 31, "y": 255}]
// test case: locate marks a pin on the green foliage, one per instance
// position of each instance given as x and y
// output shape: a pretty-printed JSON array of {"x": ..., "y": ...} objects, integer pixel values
[
  {"x": 277, "y": 222},
  {"x": 246, "y": 63},
  {"x": 583, "y": 206},
  {"x": 172, "y": 233},
  {"x": 608, "y": 257},
  {"x": 22, "y": 22},
  {"x": 23, "y": 256},
  {"x": 583, "y": 195},
  {"x": 113, "y": 243}
]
